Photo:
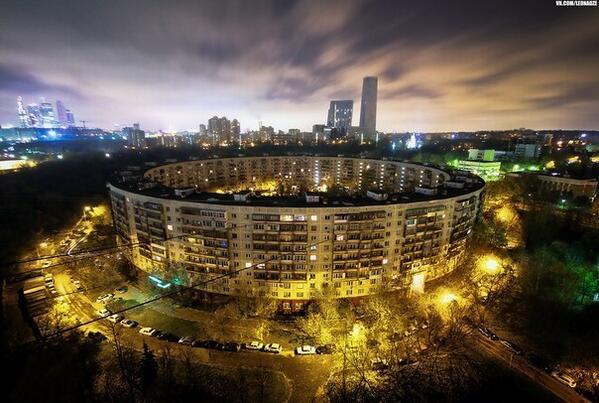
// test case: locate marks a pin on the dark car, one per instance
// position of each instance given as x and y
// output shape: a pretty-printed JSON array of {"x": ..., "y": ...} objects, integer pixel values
[
  {"x": 326, "y": 349},
  {"x": 173, "y": 338},
  {"x": 539, "y": 362},
  {"x": 96, "y": 337},
  {"x": 210, "y": 344},
  {"x": 513, "y": 347},
  {"x": 492, "y": 335},
  {"x": 231, "y": 346}
]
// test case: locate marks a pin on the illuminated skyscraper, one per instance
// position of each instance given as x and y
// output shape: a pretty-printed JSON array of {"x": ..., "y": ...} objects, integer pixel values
[
  {"x": 70, "y": 118},
  {"x": 61, "y": 113},
  {"x": 48, "y": 119},
  {"x": 33, "y": 115},
  {"x": 368, "y": 105},
  {"x": 340, "y": 115},
  {"x": 23, "y": 118}
]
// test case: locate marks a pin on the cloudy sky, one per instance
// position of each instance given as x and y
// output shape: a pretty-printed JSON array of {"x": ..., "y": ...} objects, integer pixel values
[{"x": 442, "y": 65}]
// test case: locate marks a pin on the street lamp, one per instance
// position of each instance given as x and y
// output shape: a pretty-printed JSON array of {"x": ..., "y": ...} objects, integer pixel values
[
  {"x": 490, "y": 265},
  {"x": 448, "y": 297}
]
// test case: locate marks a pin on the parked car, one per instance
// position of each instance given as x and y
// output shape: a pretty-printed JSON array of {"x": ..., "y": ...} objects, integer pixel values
[
  {"x": 512, "y": 347},
  {"x": 254, "y": 345},
  {"x": 104, "y": 298},
  {"x": 148, "y": 331},
  {"x": 129, "y": 323},
  {"x": 538, "y": 362},
  {"x": 167, "y": 336},
  {"x": 209, "y": 344},
  {"x": 96, "y": 337},
  {"x": 564, "y": 378},
  {"x": 484, "y": 331},
  {"x": 305, "y": 350},
  {"x": 121, "y": 290},
  {"x": 46, "y": 264},
  {"x": 326, "y": 349},
  {"x": 232, "y": 346},
  {"x": 104, "y": 312},
  {"x": 186, "y": 340},
  {"x": 273, "y": 348},
  {"x": 116, "y": 318},
  {"x": 407, "y": 361},
  {"x": 379, "y": 364},
  {"x": 492, "y": 335}
]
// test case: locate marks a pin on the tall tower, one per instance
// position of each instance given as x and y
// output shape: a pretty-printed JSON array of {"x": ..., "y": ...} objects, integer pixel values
[
  {"x": 61, "y": 113},
  {"x": 368, "y": 106},
  {"x": 340, "y": 115},
  {"x": 23, "y": 119}
]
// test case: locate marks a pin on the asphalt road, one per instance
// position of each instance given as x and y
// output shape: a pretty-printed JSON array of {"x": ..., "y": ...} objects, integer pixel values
[{"x": 520, "y": 364}]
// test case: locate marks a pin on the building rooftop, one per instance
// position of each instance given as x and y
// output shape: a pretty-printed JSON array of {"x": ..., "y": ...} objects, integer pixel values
[{"x": 468, "y": 183}]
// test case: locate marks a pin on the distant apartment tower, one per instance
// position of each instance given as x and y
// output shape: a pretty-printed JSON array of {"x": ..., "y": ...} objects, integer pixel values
[
  {"x": 527, "y": 151},
  {"x": 221, "y": 130},
  {"x": 368, "y": 105},
  {"x": 135, "y": 136},
  {"x": 340, "y": 115},
  {"x": 203, "y": 130},
  {"x": 235, "y": 131}
]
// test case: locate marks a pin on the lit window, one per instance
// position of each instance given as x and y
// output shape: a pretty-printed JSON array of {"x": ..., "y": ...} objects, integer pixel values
[{"x": 312, "y": 257}]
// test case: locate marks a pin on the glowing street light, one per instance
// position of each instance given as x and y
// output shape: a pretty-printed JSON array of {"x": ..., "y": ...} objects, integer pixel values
[{"x": 448, "y": 297}]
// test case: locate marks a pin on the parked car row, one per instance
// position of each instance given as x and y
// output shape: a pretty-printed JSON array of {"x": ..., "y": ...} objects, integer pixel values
[{"x": 535, "y": 360}]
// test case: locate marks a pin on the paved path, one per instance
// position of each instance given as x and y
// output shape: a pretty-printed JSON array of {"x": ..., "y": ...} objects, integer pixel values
[{"x": 520, "y": 364}]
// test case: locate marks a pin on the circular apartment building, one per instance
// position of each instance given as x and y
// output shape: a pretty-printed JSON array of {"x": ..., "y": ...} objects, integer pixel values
[{"x": 291, "y": 227}]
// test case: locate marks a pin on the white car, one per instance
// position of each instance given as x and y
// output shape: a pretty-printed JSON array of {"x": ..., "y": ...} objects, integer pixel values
[
  {"x": 104, "y": 298},
  {"x": 46, "y": 264},
  {"x": 128, "y": 323},
  {"x": 148, "y": 331},
  {"x": 564, "y": 378},
  {"x": 254, "y": 345},
  {"x": 305, "y": 350},
  {"x": 116, "y": 318},
  {"x": 273, "y": 348},
  {"x": 104, "y": 312}
]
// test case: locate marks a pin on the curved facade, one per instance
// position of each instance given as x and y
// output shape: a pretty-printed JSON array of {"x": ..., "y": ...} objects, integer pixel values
[{"x": 409, "y": 228}]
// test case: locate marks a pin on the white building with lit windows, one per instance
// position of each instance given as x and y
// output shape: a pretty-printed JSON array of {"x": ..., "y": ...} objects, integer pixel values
[{"x": 294, "y": 227}]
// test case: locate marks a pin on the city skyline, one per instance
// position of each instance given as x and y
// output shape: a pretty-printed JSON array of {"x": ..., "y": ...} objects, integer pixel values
[{"x": 475, "y": 66}]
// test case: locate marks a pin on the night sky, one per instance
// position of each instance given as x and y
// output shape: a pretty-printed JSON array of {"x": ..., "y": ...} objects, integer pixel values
[{"x": 442, "y": 65}]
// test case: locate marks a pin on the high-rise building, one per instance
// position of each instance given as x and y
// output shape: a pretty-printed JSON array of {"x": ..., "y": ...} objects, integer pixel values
[
  {"x": 266, "y": 134},
  {"x": 48, "y": 118},
  {"x": 203, "y": 130},
  {"x": 33, "y": 115},
  {"x": 368, "y": 105},
  {"x": 135, "y": 136},
  {"x": 70, "y": 118},
  {"x": 340, "y": 115},
  {"x": 223, "y": 131},
  {"x": 235, "y": 131},
  {"x": 22, "y": 113},
  {"x": 61, "y": 113}
]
